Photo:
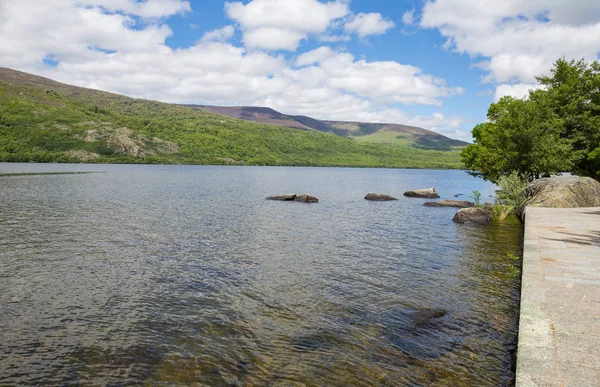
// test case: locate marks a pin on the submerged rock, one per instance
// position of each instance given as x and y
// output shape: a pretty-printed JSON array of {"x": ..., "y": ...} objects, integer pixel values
[
  {"x": 562, "y": 192},
  {"x": 306, "y": 198},
  {"x": 424, "y": 333},
  {"x": 421, "y": 317},
  {"x": 284, "y": 198},
  {"x": 427, "y": 193},
  {"x": 476, "y": 215},
  {"x": 379, "y": 197},
  {"x": 450, "y": 203},
  {"x": 316, "y": 341}
]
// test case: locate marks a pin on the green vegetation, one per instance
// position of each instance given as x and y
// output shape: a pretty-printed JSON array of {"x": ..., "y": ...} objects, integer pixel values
[
  {"x": 554, "y": 129},
  {"x": 45, "y": 121},
  {"x": 394, "y": 134},
  {"x": 511, "y": 195},
  {"x": 476, "y": 198},
  {"x": 514, "y": 269}
]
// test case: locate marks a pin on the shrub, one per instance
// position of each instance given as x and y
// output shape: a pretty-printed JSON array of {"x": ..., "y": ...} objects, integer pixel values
[{"x": 512, "y": 191}]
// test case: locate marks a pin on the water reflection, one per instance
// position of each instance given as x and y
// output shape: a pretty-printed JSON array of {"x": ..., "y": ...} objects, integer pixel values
[{"x": 163, "y": 275}]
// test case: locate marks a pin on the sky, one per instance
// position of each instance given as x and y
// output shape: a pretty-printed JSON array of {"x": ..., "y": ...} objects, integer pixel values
[{"x": 434, "y": 64}]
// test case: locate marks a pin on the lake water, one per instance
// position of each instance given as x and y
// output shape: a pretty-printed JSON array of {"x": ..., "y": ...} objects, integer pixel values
[{"x": 175, "y": 275}]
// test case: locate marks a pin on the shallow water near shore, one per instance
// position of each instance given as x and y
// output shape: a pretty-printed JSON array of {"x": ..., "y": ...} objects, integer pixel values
[{"x": 175, "y": 275}]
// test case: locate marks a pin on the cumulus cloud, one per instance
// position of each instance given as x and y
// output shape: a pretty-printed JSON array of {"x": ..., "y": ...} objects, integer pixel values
[
  {"x": 220, "y": 35},
  {"x": 519, "y": 90},
  {"x": 408, "y": 17},
  {"x": 384, "y": 81},
  {"x": 116, "y": 51},
  {"x": 520, "y": 39},
  {"x": 365, "y": 24},
  {"x": 147, "y": 8},
  {"x": 283, "y": 24}
]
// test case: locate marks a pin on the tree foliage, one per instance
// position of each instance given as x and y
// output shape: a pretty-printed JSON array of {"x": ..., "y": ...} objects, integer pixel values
[{"x": 554, "y": 129}]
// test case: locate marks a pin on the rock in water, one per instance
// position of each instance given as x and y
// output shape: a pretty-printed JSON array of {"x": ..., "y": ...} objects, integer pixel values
[
  {"x": 450, "y": 203},
  {"x": 379, "y": 197},
  {"x": 306, "y": 198},
  {"x": 423, "y": 316},
  {"x": 284, "y": 198},
  {"x": 562, "y": 192},
  {"x": 475, "y": 215},
  {"x": 427, "y": 193},
  {"x": 424, "y": 333}
]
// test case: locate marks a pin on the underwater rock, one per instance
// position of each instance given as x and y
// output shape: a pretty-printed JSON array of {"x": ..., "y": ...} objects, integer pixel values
[{"x": 424, "y": 333}]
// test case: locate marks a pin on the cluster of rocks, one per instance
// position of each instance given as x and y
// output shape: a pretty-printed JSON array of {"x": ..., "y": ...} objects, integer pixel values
[
  {"x": 426, "y": 193},
  {"x": 562, "y": 191}
]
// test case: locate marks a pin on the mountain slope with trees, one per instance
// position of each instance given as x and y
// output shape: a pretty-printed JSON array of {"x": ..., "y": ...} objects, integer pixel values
[
  {"x": 46, "y": 121},
  {"x": 360, "y": 131}
]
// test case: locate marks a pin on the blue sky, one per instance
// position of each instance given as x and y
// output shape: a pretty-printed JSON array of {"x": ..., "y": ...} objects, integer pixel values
[{"x": 435, "y": 64}]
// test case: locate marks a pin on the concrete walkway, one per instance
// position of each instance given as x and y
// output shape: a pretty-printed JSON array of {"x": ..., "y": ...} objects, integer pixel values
[{"x": 559, "y": 331}]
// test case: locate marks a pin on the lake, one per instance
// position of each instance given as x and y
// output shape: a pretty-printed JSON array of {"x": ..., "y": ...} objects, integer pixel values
[{"x": 175, "y": 275}]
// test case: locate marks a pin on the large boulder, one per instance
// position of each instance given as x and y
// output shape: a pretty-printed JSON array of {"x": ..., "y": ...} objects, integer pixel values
[
  {"x": 427, "y": 193},
  {"x": 283, "y": 198},
  {"x": 306, "y": 198},
  {"x": 450, "y": 203},
  {"x": 562, "y": 192},
  {"x": 379, "y": 197},
  {"x": 476, "y": 215}
]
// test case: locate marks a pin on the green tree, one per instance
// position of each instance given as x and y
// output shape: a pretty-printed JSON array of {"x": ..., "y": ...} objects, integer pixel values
[
  {"x": 556, "y": 128},
  {"x": 520, "y": 135},
  {"x": 572, "y": 91}
]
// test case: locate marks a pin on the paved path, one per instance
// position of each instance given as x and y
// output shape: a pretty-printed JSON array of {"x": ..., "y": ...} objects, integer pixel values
[{"x": 559, "y": 332}]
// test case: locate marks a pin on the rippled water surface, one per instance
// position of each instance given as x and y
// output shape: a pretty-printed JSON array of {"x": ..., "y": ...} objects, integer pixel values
[{"x": 175, "y": 275}]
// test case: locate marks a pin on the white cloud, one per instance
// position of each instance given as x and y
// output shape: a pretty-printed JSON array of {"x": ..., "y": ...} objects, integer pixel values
[
  {"x": 519, "y": 90},
  {"x": 314, "y": 56},
  {"x": 282, "y": 24},
  {"x": 365, "y": 24},
  {"x": 334, "y": 38},
  {"x": 520, "y": 39},
  {"x": 384, "y": 81},
  {"x": 220, "y": 35},
  {"x": 146, "y": 9},
  {"x": 116, "y": 52},
  {"x": 408, "y": 17}
]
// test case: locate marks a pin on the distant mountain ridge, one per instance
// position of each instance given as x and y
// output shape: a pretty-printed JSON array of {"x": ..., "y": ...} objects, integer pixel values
[{"x": 360, "y": 131}]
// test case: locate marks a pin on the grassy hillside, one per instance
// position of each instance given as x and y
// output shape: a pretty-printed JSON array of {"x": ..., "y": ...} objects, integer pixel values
[
  {"x": 45, "y": 121},
  {"x": 368, "y": 132}
]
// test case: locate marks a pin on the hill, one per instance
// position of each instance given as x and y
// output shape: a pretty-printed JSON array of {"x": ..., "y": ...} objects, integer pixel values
[
  {"x": 46, "y": 121},
  {"x": 360, "y": 131}
]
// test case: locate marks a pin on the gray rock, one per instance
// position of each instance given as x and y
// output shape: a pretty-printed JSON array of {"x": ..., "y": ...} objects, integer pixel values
[
  {"x": 476, "y": 215},
  {"x": 562, "y": 192},
  {"x": 427, "y": 193},
  {"x": 306, "y": 198},
  {"x": 283, "y": 198},
  {"x": 450, "y": 203},
  {"x": 379, "y": 197}
]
